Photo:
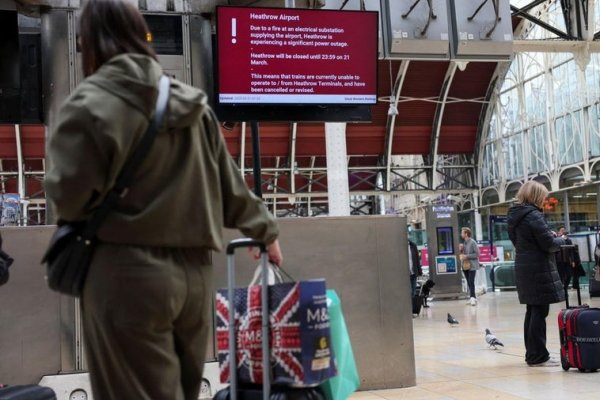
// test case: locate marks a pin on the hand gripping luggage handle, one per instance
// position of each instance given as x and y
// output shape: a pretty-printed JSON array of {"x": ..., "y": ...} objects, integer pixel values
[
  {"x": 237, "y": 243},
  {"x": 264, "y": 260}
]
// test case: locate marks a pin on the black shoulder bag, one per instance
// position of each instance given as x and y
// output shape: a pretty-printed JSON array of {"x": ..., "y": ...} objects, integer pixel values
[{"x": 72, "y": 246}]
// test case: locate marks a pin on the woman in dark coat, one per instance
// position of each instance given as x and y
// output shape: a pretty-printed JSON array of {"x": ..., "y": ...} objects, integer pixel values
[{"x": 538, "y": 281}]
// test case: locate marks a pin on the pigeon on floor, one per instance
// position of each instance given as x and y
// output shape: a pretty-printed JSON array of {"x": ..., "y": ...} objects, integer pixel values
[
  {"x": 451, "y": 320},
  {"x": 492, "y": 340}
]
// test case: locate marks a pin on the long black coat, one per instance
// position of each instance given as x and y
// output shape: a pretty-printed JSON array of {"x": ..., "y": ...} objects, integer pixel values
[
  {"x": 416, "y": 260},
  {"x": 538, "y": 281}
]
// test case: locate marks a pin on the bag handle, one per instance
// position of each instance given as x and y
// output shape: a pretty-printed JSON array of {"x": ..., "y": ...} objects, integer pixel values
[
  {"x": 279, "y": 275},
  {"x": 121, "y": 186}
]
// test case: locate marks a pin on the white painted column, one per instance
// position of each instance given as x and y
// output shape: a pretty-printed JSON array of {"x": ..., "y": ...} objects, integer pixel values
[
  {"x": 477, "y": 217},
  {"x": 337, "y": 169},
  {"x": 478, "y": 227}
]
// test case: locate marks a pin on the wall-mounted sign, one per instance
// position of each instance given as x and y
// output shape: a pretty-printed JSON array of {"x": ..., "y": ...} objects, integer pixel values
[
  {"x": 443, "y": 212},
  {"x": 445, "y": 265}
]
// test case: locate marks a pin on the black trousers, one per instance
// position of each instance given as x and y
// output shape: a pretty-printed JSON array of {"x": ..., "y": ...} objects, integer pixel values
[
  {"x": 413, "y": 284},
  {"x": 470, "y": 277},
  {"x": 535, "y": 333}
]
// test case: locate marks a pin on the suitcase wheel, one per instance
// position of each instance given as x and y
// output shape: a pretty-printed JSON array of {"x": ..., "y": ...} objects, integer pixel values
[{"x": 565, "y": 366}]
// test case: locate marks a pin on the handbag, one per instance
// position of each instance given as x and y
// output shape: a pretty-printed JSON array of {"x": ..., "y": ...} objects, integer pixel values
[
  {"x": 72, "y": 245},
  {"x": 466, "y": 264}
]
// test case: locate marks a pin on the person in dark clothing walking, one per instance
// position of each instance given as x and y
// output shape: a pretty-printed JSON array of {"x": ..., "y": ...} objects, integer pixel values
[
  {"x": 565, "y": 258},
  {"x": 537, "y": 278},
  {"x": 414, "y": 266},
  {"x": 568, "y": 261}
]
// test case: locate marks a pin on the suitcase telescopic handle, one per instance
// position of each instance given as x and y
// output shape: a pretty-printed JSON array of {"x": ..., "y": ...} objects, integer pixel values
[
  {"x": 264, "y": 260},
  {"x": 245, "y": 242}
]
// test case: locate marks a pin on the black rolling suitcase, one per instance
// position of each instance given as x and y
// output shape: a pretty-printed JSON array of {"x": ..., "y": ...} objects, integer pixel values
[
  {"x": 266, "y": 391},
  {"x": 417, "y": 300},
  {"x": 594, "y": 278},
  {"x": 594, "y": 282},
  {"x": 27, "y": 392}
]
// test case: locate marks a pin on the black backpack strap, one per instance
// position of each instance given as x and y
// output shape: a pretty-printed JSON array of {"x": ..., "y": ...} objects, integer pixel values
[{"x": 121, "y": 186}]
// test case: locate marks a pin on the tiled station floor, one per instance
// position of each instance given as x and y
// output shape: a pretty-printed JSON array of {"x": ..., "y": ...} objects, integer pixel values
[{"x": 456, "y": 363}]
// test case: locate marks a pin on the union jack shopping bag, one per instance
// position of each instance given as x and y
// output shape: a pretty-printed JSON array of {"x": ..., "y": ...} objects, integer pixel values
[{"x": 301, "y": 352}]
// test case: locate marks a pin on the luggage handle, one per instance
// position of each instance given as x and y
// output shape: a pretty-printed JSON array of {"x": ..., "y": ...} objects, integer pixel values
[
  {"x": 245, "y": 242},
  {"x": 264, "y": 260}
]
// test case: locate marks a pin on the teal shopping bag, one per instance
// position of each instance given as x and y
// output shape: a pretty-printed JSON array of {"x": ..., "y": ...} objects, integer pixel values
[{"x": 347, "y": 380}]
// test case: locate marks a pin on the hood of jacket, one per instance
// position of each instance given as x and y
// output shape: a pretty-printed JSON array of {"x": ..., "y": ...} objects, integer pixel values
[
  {"x": 517, "y": 212},
  {"x": 134, "y": 78}
]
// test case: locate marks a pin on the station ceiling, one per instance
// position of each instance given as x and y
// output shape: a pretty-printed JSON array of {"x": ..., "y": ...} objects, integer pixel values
[{"x": 414, "y": 123}]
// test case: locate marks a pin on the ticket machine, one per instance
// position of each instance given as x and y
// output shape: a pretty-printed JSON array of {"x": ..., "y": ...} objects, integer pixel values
[{"x": 443, "y": 237}]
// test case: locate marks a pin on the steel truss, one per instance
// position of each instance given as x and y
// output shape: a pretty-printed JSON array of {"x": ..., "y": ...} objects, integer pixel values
[
  {"x": 456, "y": 176},
  {"x": 575, "y": 13}
]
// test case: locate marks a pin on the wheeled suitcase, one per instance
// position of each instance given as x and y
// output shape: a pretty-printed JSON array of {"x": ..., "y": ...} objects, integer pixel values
[
  {"x": 254, "y": 391},
  {"x": 27, "y": 392},
  {"x": 579, "y": 331},
  {"x": 417, "y": 303},
  {"x": 417, "y": 300},
  {"x": 594, "y": 286},
  {"x": 594, "y": 283}
]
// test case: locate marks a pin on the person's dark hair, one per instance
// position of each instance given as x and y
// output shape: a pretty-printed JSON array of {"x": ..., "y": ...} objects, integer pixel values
[{"x": 108, "y": 28}]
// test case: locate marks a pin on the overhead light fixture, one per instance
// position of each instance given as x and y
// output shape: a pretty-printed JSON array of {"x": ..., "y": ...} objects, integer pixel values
[{"x": 462, "y": 65}]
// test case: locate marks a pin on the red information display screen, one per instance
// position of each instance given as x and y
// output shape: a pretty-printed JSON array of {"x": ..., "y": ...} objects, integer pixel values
[{"x": 296, "y": 56}]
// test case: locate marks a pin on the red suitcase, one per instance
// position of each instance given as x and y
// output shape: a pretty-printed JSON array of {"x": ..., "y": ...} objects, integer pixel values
[{"x": 579, "y": 329}]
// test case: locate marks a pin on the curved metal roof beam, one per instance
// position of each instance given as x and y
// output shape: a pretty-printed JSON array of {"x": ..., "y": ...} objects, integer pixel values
[
  {"x": 487, "y": 110},
  {"x": 391, "y": 120},
  {"x": 437, "y": 121}
]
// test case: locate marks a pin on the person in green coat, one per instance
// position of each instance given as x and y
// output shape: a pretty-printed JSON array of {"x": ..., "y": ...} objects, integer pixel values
[{"x": 147, "y": 298}]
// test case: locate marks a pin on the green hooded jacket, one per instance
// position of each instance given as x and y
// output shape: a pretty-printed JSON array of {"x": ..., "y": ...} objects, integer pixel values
[{"x": 186, "y": 189}]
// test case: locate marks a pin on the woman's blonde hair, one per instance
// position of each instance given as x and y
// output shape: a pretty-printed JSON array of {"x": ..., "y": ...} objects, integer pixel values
[{"x": 532, "y": 192}]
